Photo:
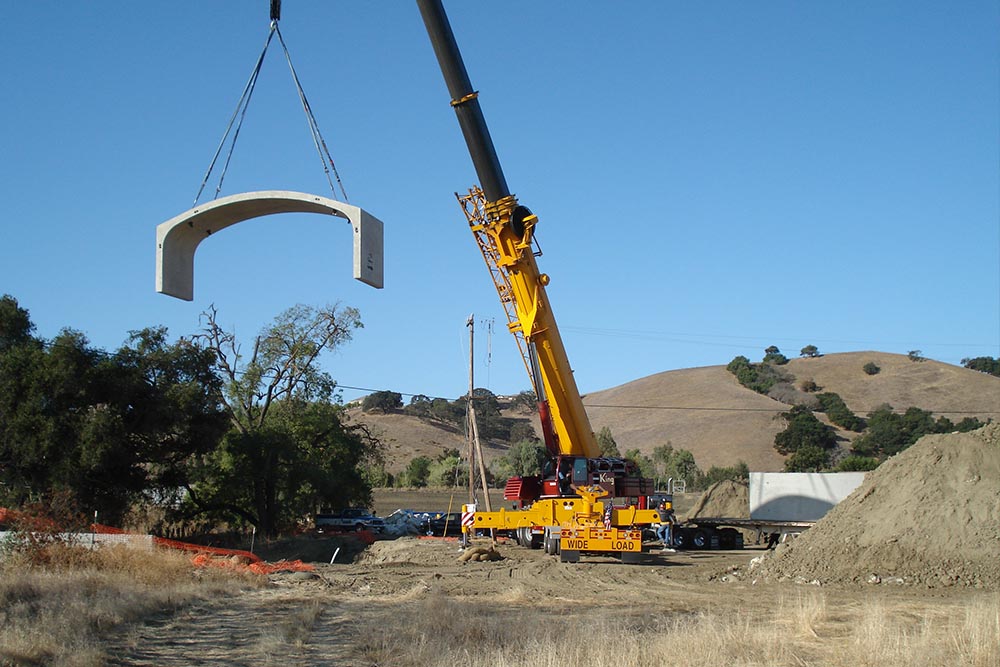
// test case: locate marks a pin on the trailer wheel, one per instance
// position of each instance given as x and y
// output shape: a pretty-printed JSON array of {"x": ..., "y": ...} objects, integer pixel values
[
  {"x": 681, "y": 538},
  {"x": 551, "y": 542},
  {"x": 700, "y": 539}
]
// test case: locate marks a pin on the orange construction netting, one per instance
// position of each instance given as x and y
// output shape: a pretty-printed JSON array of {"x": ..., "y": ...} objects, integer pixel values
[{"x": 232, "y": 559}]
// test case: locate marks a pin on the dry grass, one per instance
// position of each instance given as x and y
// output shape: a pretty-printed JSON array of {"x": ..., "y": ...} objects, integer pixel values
[
  {"x": 291, "y": 632},
  {"x": 56, "y": 605},
  {"x": 801, "y": 629}
]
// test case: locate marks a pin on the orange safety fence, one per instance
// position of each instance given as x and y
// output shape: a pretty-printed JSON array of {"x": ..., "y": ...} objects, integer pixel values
[{"x": 236, "y": 559}]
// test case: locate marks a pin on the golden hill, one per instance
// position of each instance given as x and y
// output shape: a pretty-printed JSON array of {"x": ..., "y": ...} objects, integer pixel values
[{"x": 706, "y": 411}]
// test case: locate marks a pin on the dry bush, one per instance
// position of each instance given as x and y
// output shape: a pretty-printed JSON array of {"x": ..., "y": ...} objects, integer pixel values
[{"x": 58, "y": 602}]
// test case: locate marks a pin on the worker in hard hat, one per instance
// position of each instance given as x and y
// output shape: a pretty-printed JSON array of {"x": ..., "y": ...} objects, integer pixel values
[{"x": 665, "y": 531}]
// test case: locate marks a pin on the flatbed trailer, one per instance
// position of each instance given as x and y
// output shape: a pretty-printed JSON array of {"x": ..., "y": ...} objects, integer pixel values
[{"x": 724, "y": 533}]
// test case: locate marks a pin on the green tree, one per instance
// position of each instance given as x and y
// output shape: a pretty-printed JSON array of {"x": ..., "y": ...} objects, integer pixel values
[
  {"x": 645, "y": 464},
  {"x": 838, "y": 412},
  {"x": 525, "y": 457},
  {"x": 606, "y": 442},
  {"x": 419, "y": 406},
  {"x": 382, "y": 401},
  {"x": 100, "y": 429},
  {"x": 983, "y": 365},
  {"x": 290, "y": 447},
  {"x": 491, "y": 423},
  {"x": 805, "y": 431},
  {"x": 526, "y": 401},
  {"x": 675, "y": 464},
  {"x": 871, "y": 368},
  {"x": 855, "y": 463},
  {"x": 522, "y": 429},
  {"x": 809, "y": 351},
  {"x": 716, "y": 474},
  {"x": 448, "y": 412},
  {"x": 756, "y": 377},
  {"x": 449, "y": 471},
  {"x": 417, "y": 472},
  {"x": 15, "y": 325},
  {"x": 772, "y": 355},
  {"x": 808, "y": 458},
  {"x": 889, "y": 432}
]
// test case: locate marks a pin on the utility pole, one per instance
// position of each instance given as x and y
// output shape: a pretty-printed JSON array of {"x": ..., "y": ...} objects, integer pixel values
[
  {"x": 471, "y": 411},
  {"x": 475, "y": 448}
]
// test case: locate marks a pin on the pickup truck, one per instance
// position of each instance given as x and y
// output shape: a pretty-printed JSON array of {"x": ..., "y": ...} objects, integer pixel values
[{"x": 351, "y": 519}]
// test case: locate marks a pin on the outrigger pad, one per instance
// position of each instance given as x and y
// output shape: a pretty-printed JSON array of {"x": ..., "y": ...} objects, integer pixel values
[{"x": 178, "y": 238}]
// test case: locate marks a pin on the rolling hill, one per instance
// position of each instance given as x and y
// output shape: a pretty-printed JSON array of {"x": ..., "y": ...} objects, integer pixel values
[{"x": 706, "y": 411}]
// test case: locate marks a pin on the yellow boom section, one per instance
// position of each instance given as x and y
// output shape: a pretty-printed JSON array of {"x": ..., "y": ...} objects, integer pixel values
[{"x": 504, "y": 232}]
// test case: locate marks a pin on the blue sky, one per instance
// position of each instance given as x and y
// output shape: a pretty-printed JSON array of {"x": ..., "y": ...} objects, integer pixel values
[{"x": 711, "y": 178}]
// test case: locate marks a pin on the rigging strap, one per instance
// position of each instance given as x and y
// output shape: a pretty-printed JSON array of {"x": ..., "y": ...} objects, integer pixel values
[
  {"x": 318, "y": 140},
  {"x": 241, "y": 109}
]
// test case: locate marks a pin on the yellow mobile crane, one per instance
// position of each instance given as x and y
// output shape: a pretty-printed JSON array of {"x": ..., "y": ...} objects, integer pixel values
[{"x": 562, "y": 509}]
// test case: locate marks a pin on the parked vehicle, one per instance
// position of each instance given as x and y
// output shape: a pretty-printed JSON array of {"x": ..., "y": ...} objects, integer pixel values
[
  {"x": 445, "y": 525},
  {"x": 350, "y": 519}
]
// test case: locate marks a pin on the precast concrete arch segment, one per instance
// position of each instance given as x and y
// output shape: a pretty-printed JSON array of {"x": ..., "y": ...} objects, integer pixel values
[{"x": 178, "y": 238}]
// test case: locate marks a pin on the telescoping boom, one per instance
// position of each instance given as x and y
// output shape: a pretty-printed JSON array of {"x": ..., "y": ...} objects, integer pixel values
[{"x": 582, "y": 502}]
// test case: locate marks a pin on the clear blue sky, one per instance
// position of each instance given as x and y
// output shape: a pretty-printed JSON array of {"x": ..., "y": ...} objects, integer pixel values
[{"x": 711, "y": 178}]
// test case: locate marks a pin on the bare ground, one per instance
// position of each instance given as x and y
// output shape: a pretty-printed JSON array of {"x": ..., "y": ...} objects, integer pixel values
[{"x": 345, "y": 614}]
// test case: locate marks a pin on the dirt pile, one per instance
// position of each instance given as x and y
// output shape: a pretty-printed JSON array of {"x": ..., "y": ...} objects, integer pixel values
[
  {"x": 728, "y": 498},
  {"x": 411, "y": 551},
  {"x": 928, "y": 516}
]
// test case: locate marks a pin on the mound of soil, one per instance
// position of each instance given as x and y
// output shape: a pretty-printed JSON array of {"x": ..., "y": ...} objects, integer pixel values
[
  {"x": 411, "y": 550},
  {"x": 928, "y": 516},
  {"x": 728, "y": 498}
]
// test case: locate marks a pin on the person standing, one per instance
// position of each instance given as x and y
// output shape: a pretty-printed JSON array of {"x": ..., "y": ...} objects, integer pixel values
[{"x": 666, "y": 529}]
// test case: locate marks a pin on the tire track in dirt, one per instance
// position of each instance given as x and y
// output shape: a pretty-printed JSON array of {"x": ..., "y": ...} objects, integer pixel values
[{"x": 269, "y": 627}]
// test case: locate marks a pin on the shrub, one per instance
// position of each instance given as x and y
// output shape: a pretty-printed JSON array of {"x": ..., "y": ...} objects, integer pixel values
[
  {"x": 855, "y": 463},
  {"x": 871, "y": 368},
  {"x": 838, "y": 412},
  {"x": 804, "y": 430},
  {"x": 383, "y": 401}
]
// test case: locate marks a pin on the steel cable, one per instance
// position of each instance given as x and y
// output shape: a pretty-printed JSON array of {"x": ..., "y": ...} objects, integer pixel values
[
  {"x": 317, "y": 137},
  {"x": 241, "y": 110}
]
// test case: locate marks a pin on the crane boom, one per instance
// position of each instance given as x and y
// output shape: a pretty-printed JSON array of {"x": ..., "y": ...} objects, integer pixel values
[{"x": 505, "y": 233}]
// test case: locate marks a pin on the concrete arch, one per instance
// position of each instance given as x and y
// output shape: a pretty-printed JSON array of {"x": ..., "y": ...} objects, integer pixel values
[{"x": 177, "y": 239}]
